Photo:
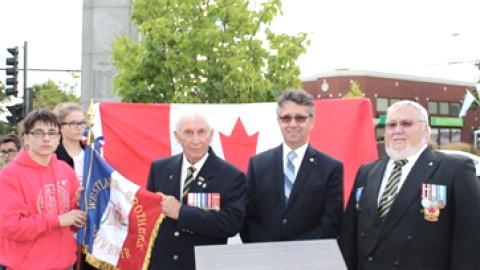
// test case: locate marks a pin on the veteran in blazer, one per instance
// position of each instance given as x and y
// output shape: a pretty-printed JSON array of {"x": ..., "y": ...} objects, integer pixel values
[
  {"x": 203, "y": 196},
  {"x": 304, "y": 202},
  {"x": 429, "y": 219}
]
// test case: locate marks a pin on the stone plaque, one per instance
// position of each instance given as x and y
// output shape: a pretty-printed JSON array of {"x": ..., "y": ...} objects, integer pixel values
[{"x": 305, "y": 255}]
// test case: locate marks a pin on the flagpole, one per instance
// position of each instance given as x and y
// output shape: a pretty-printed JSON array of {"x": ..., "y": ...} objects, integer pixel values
[
  {"x": 90, "y": 115},
  {"x": 89, "y": 124}
]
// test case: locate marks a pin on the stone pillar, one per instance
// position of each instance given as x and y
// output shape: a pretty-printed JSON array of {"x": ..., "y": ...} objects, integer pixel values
[{"x": 103, "y": 22}]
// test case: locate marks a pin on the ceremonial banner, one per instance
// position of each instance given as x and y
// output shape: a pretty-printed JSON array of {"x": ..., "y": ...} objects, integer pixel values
[
  {"x": 122, "y": 218},
  {"x": 137, "y": 134}
]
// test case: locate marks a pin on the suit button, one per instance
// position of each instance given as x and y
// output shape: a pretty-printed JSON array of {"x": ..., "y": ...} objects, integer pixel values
[
  {"x": 409, "y": 237},
  {"x": 370, "y": 259},
  {"x": 175, "y": 257},
  {"x": 176, "y": 234},
  {"x": 362, "y": 235},
  {"x": 396, "y": 263},
  {"x": 284, "y": 221}
]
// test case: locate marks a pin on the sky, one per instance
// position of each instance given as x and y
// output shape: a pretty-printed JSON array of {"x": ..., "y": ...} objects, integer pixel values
[{"x": 438, "y": 39}]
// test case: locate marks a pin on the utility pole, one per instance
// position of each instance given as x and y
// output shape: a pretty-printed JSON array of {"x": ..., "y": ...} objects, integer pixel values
[
  {"x": 25, "y": 69},
  {"x": 27, "y": 91}
]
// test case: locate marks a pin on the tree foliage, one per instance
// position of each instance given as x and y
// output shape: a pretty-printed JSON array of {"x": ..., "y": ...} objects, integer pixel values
[
  {"x": 48, "y": 95},
  {"x": 4, "y": 99},
  {"x": 206, "y": 51},
  {"x": 355, "y": 90}
]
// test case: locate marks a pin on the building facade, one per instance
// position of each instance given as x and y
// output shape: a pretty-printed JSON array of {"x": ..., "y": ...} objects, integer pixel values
[{"x": 442, "y": 98}]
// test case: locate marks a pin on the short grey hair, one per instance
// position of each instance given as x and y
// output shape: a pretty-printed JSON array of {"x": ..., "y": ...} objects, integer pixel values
[
  {"x": 300, "y": 97},
  {"x": 408, "y": 103}
]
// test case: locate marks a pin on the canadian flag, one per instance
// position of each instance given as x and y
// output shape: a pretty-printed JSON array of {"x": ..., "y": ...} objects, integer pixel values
[{"x": 137, "y": 134}]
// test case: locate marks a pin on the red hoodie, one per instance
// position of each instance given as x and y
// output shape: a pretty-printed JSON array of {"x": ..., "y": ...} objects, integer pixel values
[{"x": 32, "y": 197}]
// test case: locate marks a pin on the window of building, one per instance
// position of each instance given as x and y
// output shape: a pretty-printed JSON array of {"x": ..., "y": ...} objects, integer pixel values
[
  {"x": 435, "y": 135},
  {"x": 393, "y": 100},
  {"x": 455, "y": 108},
  {"x": 382, "y": 104},
  {"x": 444, "y": 136},
  {"x": 456, "y": 135},
  {"x": 433, "y": 107},
  {"x": 444, "y": 108},
  {"x": 380, "y": 133}
]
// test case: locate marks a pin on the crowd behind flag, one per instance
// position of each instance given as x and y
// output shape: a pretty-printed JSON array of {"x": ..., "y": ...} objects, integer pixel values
[{"x": 123, "y": 219}]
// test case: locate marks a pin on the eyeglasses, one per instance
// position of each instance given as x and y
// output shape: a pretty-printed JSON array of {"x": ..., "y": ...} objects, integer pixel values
[
  {"x": 402, "y": 124},
  {"x": 75, "y": 124},
  {"x": 7, "y": 152},
  {"x": 40, "y": 134},
  {"x": 298, "y": 118}
]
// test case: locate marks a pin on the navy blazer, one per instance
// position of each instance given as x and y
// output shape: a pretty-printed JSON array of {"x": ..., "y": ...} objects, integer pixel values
[
  {"x": 314, "y": 208},
  {"x": 174, "y": 245},
  {"x": 405, "y": 240}
]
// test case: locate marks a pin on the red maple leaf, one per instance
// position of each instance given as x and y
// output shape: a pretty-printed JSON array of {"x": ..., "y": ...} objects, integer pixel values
[{"x": 239, "y": 147}]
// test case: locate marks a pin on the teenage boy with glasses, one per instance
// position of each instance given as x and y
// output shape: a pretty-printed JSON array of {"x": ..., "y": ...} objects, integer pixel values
[{"x": 38, "y": 201}]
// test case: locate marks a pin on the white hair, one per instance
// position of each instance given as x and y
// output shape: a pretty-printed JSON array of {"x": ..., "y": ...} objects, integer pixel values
[{"x": 191, "y": 114}]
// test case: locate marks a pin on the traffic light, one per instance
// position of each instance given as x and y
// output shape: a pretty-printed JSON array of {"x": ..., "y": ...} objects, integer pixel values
[
  {"x": 12, "y": 70},
  {"x": 18, "y": 113}
]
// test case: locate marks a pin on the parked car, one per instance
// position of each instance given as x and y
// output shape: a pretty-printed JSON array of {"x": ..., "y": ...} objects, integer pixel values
[{"x": 475, "y": 158}]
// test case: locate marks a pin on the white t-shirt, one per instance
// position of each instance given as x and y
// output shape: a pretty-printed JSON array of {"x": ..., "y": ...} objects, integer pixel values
[{"x": 78, "y": 165}]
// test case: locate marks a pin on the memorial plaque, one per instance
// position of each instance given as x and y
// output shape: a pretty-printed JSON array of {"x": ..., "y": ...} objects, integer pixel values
[{"x": 304, "y": 255}]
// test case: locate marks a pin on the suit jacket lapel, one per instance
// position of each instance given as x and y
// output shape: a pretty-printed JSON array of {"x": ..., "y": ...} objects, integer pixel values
[
  {"x": 372, "y": 187},
  {"x": 369, "y": 200},
  {"x": 277, "y": 176},
  {"x": 173, "y": 175}
]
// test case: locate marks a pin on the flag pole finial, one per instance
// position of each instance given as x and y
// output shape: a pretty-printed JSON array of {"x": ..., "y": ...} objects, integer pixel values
[{"x": 90, "y": 115}]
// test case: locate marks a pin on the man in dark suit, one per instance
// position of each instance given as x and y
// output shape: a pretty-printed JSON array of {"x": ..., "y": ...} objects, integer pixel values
[
  {"x": 305, "y": 203},
  {"x": 203, "y": 196},
  {"x": 421, "y": 214}
]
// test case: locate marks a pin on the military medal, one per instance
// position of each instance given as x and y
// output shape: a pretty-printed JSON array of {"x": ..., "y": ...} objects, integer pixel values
[
  {"x": 434, "y": 198},
  {"x": 206, "y": 201},
  {"x": 201, "y": 182}
]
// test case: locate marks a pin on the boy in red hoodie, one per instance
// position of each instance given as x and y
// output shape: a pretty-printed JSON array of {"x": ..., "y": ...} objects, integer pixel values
[{"x": 38, "y": 201}]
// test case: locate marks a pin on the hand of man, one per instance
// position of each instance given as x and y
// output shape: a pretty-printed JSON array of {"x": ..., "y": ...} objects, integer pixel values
[
  {"x": 76, "y": 218},
  {"x": 171, "y": 207}
]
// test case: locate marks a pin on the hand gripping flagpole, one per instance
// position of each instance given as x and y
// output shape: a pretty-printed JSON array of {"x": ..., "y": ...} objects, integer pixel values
[{"x": 86, "y": 180}]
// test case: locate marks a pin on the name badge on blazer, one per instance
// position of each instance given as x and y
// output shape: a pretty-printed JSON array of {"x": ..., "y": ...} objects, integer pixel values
[
  {"x": 434, "y": 198},
  {"x": 206, "y": 201}
]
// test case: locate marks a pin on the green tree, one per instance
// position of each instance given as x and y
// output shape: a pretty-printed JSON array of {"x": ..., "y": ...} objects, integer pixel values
[
  {"x": 48, "y": 95},
  {"x": 3, "y": 98},
  {"x": 206, "y": 51},
  {"x": 355, "y": 90}
]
